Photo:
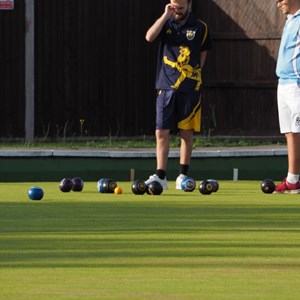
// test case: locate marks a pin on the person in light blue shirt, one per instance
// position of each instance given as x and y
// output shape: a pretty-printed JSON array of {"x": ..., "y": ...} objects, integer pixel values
[
  {"x": 288, "y": 93},
  {"x": 288, "y": 63}
]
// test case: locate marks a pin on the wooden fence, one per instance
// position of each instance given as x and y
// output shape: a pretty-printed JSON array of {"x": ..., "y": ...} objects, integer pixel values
[{"x": 94, "y": 71}]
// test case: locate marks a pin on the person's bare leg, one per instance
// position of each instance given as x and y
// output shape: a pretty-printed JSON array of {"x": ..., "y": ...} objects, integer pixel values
[
  {"x": 186, "y": 147},
  {"x": 162, "y": 148},
  {"x": 293, "y": 146}
]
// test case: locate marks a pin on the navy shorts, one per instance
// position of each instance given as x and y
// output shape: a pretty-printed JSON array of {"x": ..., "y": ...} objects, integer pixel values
[{"x": 177, "y": 110}]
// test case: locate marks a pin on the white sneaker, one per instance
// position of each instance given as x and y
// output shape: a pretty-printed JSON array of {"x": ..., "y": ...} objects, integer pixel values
[
  {"x": 179, "y": 180},
  {"x": 163, "y": 182}
]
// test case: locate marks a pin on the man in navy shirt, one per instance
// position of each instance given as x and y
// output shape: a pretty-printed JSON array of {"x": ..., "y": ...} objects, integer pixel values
[
  {"x": 184, "y": 41},
  {"x": 288, "y": 93}
]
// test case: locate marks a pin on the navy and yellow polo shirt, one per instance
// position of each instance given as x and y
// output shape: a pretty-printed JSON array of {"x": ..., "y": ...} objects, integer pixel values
[{"x": 180, "y": 46}]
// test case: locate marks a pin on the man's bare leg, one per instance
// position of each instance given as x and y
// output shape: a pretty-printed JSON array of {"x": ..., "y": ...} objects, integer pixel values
[
  {"x": 162, "y": 148},
  {"x": 186, "y": 147}
]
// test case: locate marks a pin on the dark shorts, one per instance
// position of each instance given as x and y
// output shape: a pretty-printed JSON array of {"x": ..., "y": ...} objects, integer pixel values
[{"x": 176, "y": 110}]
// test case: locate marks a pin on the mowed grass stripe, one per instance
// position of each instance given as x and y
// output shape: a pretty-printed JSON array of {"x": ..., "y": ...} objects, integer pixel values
[{"x": 235, "y": 244}]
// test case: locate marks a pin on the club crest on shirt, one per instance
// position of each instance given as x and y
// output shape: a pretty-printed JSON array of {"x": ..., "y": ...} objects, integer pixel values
[{"x": 190, "y": 34}]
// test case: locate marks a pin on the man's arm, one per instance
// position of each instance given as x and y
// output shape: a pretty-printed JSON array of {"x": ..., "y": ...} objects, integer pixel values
[{"x": 156, "y": 28}]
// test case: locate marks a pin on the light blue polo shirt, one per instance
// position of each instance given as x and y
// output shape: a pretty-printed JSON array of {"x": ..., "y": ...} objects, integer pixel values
[{"x": 288, "y": 62}]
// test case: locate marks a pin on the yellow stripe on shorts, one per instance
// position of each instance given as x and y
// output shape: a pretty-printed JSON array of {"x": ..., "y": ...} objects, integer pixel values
[{"x": 193, "y": 121}]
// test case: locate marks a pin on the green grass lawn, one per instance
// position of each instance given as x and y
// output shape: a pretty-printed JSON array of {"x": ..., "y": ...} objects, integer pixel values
[
  {"x": 237, "y": 243},
  {"x": 139, "y": 142}
]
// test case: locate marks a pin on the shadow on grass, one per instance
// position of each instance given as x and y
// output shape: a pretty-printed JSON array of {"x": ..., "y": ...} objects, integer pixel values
[{"x": 121, "y": 234}]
